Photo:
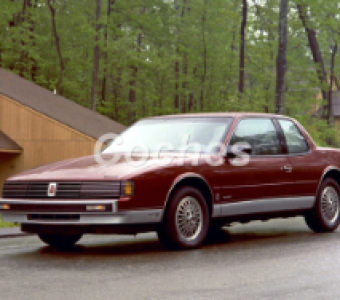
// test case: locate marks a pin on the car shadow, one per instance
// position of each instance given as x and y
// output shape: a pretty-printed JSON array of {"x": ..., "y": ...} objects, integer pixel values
[
  {"x": 125, "y": 248},
  {"x": 225, "y": 239}
]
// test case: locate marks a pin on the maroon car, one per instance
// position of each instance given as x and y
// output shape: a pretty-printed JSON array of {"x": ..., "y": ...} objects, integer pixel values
[{"x": 181, "y": 176}]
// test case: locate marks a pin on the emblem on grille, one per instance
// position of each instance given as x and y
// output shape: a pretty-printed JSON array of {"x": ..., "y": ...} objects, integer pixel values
[{"x": 52, "y": 189}]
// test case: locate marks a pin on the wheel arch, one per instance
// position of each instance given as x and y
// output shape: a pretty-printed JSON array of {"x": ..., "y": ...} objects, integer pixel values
[
  {"x": 193, "y": 180},
  {"x": 330, "y": 172}
]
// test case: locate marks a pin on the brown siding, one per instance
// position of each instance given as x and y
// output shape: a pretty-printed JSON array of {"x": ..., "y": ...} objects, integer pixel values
[
  {"x": 9, "y": 165},
  {"x": 44, "y": 140}
]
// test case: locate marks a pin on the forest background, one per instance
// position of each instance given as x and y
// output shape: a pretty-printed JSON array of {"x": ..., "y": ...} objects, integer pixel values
[{"x": 129, "y": 59}]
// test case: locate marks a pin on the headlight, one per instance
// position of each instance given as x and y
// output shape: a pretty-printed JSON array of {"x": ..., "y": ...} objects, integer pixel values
[{"x": 128, "y": 188}]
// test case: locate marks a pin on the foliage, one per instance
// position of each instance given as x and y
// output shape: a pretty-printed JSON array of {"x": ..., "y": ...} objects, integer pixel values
[{"x": 171, "y": 56}]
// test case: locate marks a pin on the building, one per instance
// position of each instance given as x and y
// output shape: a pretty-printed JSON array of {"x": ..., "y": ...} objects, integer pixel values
[{"x": 38, "y": 127}]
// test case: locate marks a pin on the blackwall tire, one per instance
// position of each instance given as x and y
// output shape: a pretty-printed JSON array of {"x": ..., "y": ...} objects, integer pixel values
[
  {"x": 60, "y": 241},
  {"x": 325, "y": 215},
  {"x": 186, "y": 220}
]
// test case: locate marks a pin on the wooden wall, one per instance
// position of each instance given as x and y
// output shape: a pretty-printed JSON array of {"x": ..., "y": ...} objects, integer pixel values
[
  {"x": 9, "y": 164},
  {"x": 44, "y": 140}
]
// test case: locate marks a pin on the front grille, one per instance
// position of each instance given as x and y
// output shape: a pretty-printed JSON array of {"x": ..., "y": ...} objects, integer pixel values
[
  {"x": 54, "y": 218},
  {"x": 70, "y": 190},
  {"x": 15, "y": 189},
  {"x": 64, "y": 190},
  {"x": 100, "y": 189}
]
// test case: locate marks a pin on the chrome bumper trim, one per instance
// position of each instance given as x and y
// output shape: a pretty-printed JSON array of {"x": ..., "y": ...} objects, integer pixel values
[
  {"x": 129, "y": 217},
  {"x": 48, "y": 201},
  {"x": 67, "y": 201},
  {"x": 114, "y": 217}
]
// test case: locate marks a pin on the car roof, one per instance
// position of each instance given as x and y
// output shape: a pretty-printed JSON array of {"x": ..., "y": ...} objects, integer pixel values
[{"x": 217, "y": 114}]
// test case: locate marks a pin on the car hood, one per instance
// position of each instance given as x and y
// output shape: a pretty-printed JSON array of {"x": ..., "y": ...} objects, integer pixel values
[{"x": 87, "y": 168}]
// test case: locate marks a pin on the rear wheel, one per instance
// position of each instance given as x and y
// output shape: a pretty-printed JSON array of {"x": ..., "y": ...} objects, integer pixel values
[
  {"x": 186, "y": 220},
  {"x": 325, "y": 215},
  {"x": 60, "y": 241}
]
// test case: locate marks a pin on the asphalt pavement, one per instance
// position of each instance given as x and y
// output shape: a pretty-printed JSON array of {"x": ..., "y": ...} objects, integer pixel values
[
  {"x": 12, "y": 232},
  {"x": 278, "y": 259}
]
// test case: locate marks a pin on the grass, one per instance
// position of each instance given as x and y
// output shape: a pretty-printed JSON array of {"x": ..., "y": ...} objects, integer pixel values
[{"x": 6, "y": 224}]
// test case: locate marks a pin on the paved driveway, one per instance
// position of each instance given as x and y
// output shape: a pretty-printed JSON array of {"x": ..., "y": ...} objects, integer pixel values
[{"x": 280, "y": 259}]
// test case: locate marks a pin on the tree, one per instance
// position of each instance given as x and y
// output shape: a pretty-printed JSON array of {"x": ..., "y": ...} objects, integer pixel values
[
  {"x": 281, "y": 62},
  {"x": 242, "y": 46},
  {"x": 96, "y": 55},
  {"x": 204, "y": 54},
  {"x": 57, "y": 44},
  {"x": 105, "y": 60},
  {"x": 317, "y": 56},
  {"x": 140, "y": 58}
]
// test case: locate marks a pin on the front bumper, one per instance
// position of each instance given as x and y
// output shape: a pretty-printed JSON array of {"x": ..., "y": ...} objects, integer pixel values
[{"x": 73, "y": 212}]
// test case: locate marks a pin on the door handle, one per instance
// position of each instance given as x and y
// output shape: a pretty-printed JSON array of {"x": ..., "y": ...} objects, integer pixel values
[{"x": 287, "y": 168}]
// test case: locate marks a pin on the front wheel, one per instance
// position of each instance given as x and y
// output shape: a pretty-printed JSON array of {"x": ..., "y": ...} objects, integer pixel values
[
  {"x": 325, "y": 215},
  {"x": 60, "y": 241},
  {"x": 186, "y": 220}
]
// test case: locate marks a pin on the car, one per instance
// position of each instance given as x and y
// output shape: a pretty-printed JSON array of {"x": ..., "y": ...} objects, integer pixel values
[{"x": 183, "y": 176}]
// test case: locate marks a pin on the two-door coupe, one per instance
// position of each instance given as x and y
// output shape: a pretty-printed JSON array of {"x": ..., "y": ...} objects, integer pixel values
[{"x": 181, "y": 176}]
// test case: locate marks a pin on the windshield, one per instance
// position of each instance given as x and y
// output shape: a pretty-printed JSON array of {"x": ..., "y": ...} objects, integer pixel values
[{"x": 192, "y": 134}]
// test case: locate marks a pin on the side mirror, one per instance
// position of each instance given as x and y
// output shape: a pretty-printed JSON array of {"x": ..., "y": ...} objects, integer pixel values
[{"x": 238, "y": 148}]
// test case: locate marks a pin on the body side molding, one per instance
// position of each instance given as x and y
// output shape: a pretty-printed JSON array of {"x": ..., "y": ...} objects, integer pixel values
[{"x": 263, "y": 206}]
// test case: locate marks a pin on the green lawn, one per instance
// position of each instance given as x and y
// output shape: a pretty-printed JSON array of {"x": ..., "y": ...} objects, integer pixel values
[{"x": 6, "y": 224}]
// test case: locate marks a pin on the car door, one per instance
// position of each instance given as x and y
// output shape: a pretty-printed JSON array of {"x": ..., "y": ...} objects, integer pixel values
[
  {"x": 306, "y": 167},
  {"x": 264, "y": 176}
]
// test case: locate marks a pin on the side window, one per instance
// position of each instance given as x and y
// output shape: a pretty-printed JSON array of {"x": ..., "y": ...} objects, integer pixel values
[
  {"x": 260, "y": 134},
  {"x": 295, "y": 140}
]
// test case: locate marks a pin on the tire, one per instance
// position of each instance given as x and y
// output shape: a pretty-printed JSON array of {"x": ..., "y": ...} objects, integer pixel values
[
  {"x": 60, "y": 241},
  {"x": 186, "y": 220},
  {"x": 325, "y": 215}
]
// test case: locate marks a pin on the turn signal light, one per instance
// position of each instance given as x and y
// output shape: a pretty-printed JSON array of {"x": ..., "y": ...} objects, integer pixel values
[
  {"x": 95, "y": 207},
  {"x": 127, "y": 188},
  {"x": 4, "y": 206}
]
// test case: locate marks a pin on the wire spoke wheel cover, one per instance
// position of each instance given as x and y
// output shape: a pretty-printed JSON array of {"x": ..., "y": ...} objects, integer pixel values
[
  {"x": 325, "y": 215},
  {"x": 186, "y": 220},
  {"x": 329, "y": 204},
  {"x": 189, "y": 218}
]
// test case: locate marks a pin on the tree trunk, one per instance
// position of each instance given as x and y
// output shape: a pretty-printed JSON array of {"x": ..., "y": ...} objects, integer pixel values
[
  {"x": 28, "y": 64},
  {"x": 317, "y": 57},
  {"x": 33, "y": 62},
  {"x": 132, "y": 83},
  {"x": 177, "y": 65},
  {"x": 176, "y": 96},
  {"x": 191, "y": 96},
  {"x": 22, "y": 62},
  {"x": 242, "y": 46},
  {"x": 184, "y": 83},
  {"x": 281, "y": 62},
  {"x": 108, "y": 13},
  {"x": 330, "y": 115},
  {"x": 57, "y": 43},
  {"x": 116, "y": 86},
  {"x": 184, "y": 96},
  {"x": 336, "y": 81},
  {"x": 204, "y": 57},
  {"x": 132, "y": 90},
  {"x": 96, "y": 58}
]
